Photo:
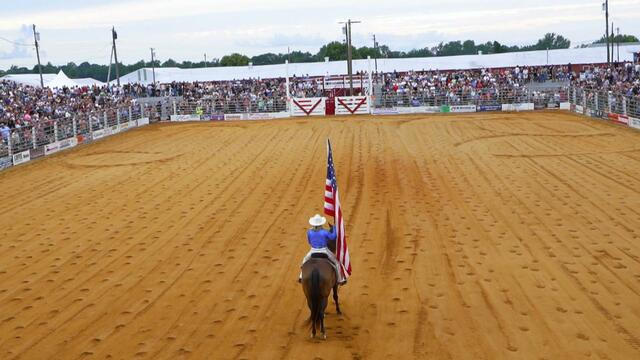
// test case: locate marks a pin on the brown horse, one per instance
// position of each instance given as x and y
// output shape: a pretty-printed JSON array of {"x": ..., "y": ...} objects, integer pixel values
[{"x": 318, "y": 279}]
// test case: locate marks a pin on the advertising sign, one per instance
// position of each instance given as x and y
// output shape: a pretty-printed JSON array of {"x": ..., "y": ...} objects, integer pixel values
[
  {"x": 463, "y": 108},
  {"x": 490, "y": 107},
  {"x": 21, "y": 158},
  {"x": 5, "y": 162},
  {"x": 98, "y": 134},
  {"x": 51, "y": 148}
]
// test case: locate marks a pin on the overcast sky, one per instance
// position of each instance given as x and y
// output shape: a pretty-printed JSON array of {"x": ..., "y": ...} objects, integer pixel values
[{"x": 78, "y": 30}]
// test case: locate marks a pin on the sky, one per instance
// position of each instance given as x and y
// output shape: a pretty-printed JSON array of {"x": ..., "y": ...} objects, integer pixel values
[{"x": 79, "y": 30}]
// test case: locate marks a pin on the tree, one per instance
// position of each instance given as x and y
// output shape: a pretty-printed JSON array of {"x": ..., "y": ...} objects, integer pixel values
[
  {"x": 169, "y": 63},
  {"x": 234, "y": 59},
  {"x": 622, "y": 38},
  {"x": 469, "y": 47},
  {"x": 549, "y": 41},
  {"x": 334, "y": 51}
]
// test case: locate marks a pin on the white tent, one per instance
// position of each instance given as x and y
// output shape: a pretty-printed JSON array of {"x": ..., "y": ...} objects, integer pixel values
[
  {"x": 29, "y": 79},
  {"x": 61, "y": 80},
  {"x": 592, "y": 55},
  {"x": 89, "y": 82},
  {"x": 58, "y": 80}
]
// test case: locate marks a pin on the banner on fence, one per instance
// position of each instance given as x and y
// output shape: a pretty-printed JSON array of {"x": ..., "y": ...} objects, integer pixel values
[
  {"x": 37, "y": 152},
  {"x": 5, "y": 162},
  {"x": 621, "y": 119},
  {"x": 98, "y": 134},
  {"x": 68, "y": 143},
  {"x": 352, "y": 105},
  {"x": 495, "y": 107},
  {"x": 463, "y": 108},
  {"x": 231, "y": 117},
  {"x": 180, "y": 118},
  {"x": 256, "y": 116},
  {"x": 384, "y": 111},
  {"x": 259, "y": 116},
  {"x": 445, "y": 108},
  {"x": 634, "y": 123},
  {"x": 51, "y": 148},
  {"x": 579, "y": 109},
  {"x": 308, "y": 106},
  {"x": 143, "y": 121},
  {"x": 517, "y": 107},
  {"x": 565, "y": 105},
  {"x": 213, "y": 117},
  {"x": 418, "y": 110},
  {"x": 21, "y": 158}
]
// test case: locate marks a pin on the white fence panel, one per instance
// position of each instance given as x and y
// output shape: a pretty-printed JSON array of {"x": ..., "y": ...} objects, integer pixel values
[{"x": 352, "y": 105}]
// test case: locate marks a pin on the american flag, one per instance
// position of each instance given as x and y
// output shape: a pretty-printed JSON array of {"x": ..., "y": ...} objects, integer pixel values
[{"x": 332, "y": 208}]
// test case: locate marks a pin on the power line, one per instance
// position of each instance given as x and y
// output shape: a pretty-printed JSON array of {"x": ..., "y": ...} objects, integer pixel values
[{"x": 15, "y": 43}]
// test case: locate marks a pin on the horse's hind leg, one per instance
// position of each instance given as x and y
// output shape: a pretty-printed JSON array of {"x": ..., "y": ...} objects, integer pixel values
[{"x": 335, "y": 299}]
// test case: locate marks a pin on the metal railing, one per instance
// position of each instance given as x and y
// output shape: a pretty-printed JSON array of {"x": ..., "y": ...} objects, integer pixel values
[
  {"x": 218, "y": 107},
  {"x": 542, "y": 97},
  {"x": 601, "y": 103},
  {"x": 35, "y": 138}
]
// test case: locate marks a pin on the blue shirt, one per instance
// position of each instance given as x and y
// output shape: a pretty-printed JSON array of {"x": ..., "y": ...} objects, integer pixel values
[{"x": 319, "y": 239}]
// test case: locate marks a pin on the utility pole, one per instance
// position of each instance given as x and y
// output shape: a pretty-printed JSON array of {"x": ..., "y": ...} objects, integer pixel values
[
  {"x": 606, "y": 22},
  {"x": 153, "y": 65},
  {"x": 205, "y": 59},
  {"x": 375, "y": 52},
  {"x": 114, "y": 36},
  {"x": 618, "y": 41},
  {"x": 612, "y": 41},
  {"x": 36, "y": 38},
  {"x": 349, "y": 54}
]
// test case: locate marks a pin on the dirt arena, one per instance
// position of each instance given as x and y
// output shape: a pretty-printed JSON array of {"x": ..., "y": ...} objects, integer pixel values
[{"x": 483, "y": 236}]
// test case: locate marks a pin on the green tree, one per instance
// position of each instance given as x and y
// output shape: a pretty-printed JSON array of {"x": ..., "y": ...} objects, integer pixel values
[
  {"x": 234, "y": 59},
  {"x": 622, "y": 38},
  {"x": 169, "y": 63},
  {"x": 334, "y": 50},
  {"x": 549, "y": 41}
]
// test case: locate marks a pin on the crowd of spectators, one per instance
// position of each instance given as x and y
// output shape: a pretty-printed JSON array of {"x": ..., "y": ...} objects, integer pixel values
[
  {"x": 26, "y": 106},
  {"x": 477, "y": 85},
  {"x": 619, "y": 78}
]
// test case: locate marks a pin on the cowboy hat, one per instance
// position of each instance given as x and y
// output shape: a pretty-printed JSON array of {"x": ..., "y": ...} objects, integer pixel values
[{"x": 317, "y": 220}]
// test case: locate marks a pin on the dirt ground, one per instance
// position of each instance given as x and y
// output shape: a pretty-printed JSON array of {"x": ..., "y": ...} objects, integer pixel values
[{"x": 482, "y": 236}]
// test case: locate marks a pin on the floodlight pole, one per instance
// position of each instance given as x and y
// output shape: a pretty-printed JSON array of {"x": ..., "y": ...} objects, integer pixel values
[
  {"x": 205, "y": 59},
  {"x": 618, "y": 42},
  {"x": 375, "y": 52},
  {"x": 606, "y": 20},
  {"x": 35, "y": 38},
  {"x": 114, "y": 36},
  {"x": 153, "y": 66}
]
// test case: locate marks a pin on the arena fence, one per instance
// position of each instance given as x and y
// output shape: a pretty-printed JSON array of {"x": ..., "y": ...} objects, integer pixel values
[
  {"x": 50, "y": 136},
  {"x": 603, "y": 104}
]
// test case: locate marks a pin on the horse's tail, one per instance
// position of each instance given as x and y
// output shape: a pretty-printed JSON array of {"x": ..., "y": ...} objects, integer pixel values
[{"x": 316, "y": 311}]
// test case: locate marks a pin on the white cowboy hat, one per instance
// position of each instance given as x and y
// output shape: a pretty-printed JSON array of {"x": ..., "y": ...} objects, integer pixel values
[{"x": 317, "y": 220}]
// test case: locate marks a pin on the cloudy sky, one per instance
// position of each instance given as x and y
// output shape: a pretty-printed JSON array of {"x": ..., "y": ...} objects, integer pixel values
[{"x": 78, "y": 30}]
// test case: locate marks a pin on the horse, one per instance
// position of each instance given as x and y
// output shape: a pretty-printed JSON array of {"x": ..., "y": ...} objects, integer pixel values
[{"x": 318, "y": 279}]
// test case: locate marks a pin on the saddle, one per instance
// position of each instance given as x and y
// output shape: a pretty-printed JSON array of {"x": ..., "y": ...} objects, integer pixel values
[{"x": 319, "y": 256}]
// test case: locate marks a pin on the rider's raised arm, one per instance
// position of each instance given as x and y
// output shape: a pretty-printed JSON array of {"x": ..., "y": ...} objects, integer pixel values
[{"x": 331, "y": 235}]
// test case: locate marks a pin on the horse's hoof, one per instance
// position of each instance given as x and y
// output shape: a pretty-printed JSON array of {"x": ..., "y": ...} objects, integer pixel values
[
  {"x": 312, "y": 336},
  {"x": 324, "y": 336}
]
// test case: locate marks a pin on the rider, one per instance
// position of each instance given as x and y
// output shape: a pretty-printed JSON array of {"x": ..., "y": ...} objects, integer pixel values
[{"x": 318, "y": 238}]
